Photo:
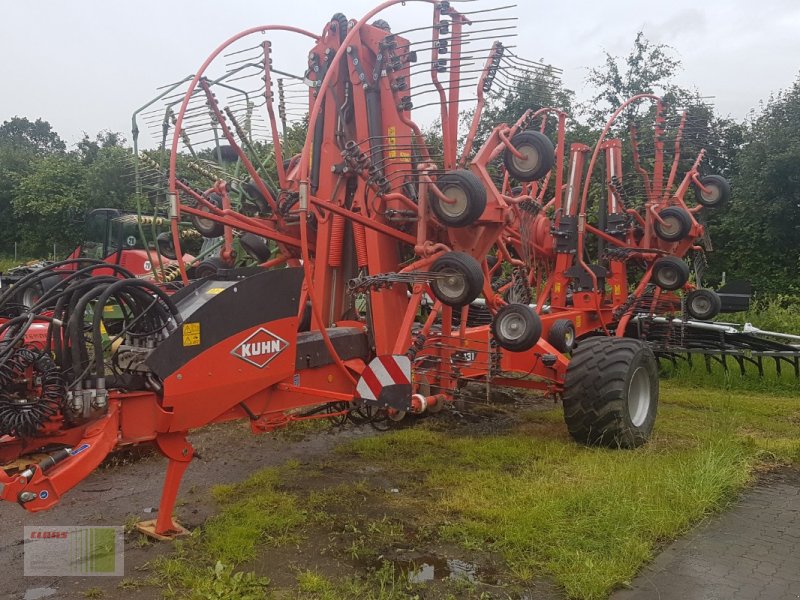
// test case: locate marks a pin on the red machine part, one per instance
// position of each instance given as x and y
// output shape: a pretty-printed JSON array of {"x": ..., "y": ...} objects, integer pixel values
[{"x": 391, "y": 246}]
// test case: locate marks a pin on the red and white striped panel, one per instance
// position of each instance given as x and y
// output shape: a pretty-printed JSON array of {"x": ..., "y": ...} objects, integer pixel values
[{"x": 381, "y": 372}]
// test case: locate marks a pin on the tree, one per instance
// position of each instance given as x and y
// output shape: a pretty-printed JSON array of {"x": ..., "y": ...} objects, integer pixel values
[
  {"x": 47, "y": 200},
  {"x": 22, "y": 143},
  {"x": 647, "y": 69},
  {"x": 49, "y": 188},
  {"x": 35, "y": 137},
  {"x": 89, "y": 149},
  {"x": 758, "y": 235}
]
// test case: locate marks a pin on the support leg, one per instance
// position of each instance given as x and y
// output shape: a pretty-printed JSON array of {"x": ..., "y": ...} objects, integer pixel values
[{"x": 179, "y": 451}]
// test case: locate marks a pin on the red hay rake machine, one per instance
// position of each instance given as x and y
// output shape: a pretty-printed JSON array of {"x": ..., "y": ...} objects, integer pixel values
[{"x": 393, "y": 266}]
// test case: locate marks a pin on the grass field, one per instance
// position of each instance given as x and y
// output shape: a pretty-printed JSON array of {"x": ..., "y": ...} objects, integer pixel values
[
  {"x": 7, "y": 263},
  {"x": 509, "y": 490}
]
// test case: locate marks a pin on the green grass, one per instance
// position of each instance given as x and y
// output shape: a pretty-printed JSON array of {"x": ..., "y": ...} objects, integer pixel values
[
  {"x": 383, "y": 583},
  {"x": 731, "y": 379},
  {"x": 589, "y": 518},
  {"x": 7, "y": 263},
  {"x": 253, "y": 514},
  {"x": 780, "y": 313},
  {"x": 585, "y": 518}
]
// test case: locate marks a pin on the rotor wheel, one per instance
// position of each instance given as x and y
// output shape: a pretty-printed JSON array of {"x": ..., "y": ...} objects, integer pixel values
[
  {"x": 611, "y": 392},
  {"x": 165, "y": 246},
  {"x": 207, "y": 227},
  {"x": 516, "y": 327},
  {"x": 257, "y": 198},
  {"x": 459, "y": 279},
  {"x": 32, "y": 294},
  {"x": 225, "y": 154},
  {"x": 703, "y": 305},
  {"x": 562, "y": 335},
  {"x": 718, "y": 191},
  {"x": 677, "y": 223},
  {"x": 538, "y": 156},
  {"x": 467, "y": 198},
  {"x": 257, "y": 247},
  {"x": 395, "y": 416},
  {"x": 209, "y": 267},
  {"x": 670, "y": 273}
]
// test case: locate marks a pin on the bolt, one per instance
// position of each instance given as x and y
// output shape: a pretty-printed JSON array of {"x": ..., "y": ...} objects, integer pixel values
[{"x": 26, "y": 497}]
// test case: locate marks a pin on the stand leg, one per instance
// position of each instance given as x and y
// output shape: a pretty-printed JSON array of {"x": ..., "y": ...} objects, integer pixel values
[{"x": 179, "y": 451}]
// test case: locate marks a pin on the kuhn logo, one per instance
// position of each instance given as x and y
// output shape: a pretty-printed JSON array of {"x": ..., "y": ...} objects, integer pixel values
[{"x": 260, "y": 348}]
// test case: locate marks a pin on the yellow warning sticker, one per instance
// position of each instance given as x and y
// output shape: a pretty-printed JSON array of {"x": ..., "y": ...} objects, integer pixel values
[
  {"x": 214, "y": 291},
  {"x": 191, "y": 334},
  {"x": 616, "y": 289},
  {"x": 391, "y": 141},
  {"x": 578, "y": 321},
  {"x": 108, "y": 308}
]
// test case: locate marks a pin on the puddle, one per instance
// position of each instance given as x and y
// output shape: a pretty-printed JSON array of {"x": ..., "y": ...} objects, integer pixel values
[
  {"x": 431, "y": 567},
  {"x": 37, "y": 593}
]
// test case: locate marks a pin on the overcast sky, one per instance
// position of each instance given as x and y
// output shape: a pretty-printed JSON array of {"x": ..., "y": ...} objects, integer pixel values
[{"x": 85, "y": 65}]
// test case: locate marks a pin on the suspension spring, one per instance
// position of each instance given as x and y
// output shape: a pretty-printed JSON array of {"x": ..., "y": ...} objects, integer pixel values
[
  {"x": 360, "y": 239},
  {"x": 337, "y": 241}
]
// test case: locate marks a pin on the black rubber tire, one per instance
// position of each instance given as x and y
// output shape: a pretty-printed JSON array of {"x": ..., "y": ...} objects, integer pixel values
[
  {"x": 256, "y": 247},
  {"x": 31, "y": 294},
  {"x": 562, "y": 335},
  {"x": 206, "y": 227},
  {"x": 597, "y": 392},
  {"x": 703, "y": 305},
  {"x": 227, "y": 154},
  {"x": 680, "y": 224},
  {"x": 670, "y": 273},
  {"x": 722, "y": 191},
  {"x": 471, "y": 194},
  {"x": 545, "y": 156},
  {"x": 516, "y": 314},
  {"x": 381, "y": 24},
  {"x": 165, "y": 246},
  {"x": 209, "y": 267},
  {"x": 460, "y": 265},
  {"x": 257, "y": 198}
]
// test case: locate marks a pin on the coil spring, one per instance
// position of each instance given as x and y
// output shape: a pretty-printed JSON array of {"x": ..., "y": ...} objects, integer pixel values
[
  {"x": 337, "y": 241},
  {"x": 23, "y": 417},
  {"x": 360, "y": 239},
  {"x": 170, "y": 273}
]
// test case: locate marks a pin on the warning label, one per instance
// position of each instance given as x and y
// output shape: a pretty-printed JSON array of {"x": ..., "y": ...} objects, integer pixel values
[{"x": 191, "y": 334}]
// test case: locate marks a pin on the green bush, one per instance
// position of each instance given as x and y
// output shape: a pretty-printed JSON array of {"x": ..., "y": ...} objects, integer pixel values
[{"x": 779, "y": 313}]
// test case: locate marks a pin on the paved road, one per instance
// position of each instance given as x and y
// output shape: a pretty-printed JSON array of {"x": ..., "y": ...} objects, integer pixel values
[{"x": 751, "y": 552}]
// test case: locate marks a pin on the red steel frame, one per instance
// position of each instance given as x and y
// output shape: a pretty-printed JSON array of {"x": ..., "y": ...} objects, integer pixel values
[{"x": 356, "y": 226}]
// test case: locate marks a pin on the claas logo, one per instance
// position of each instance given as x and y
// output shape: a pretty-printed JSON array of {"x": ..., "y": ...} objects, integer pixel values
[
  {"x": 260, "y": 348},
  {"x": 49, "y": 535}
]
